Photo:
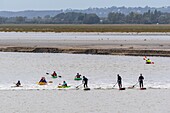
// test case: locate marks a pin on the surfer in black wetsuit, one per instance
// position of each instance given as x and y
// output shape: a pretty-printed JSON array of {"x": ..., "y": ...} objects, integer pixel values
[
  {"x": 141, "y": 78},
  {"x": 85, "y": 80},
  {"x": 119, "y": 81}
]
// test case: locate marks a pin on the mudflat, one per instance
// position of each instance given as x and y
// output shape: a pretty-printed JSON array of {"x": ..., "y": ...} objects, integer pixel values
[{"x": 101, "y": 44}]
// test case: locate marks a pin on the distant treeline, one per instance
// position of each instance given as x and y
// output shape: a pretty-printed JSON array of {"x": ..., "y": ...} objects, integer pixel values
[{"x": 150, "y": 17}]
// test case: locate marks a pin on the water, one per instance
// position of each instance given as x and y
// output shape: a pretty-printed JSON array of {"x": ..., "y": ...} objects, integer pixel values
[
  {"x": 82, "y": 36},
  {"x": 101, "y": 70}
]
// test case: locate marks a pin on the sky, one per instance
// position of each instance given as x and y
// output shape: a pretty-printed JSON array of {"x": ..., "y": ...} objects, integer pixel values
[{"x": 19, "y": 5}]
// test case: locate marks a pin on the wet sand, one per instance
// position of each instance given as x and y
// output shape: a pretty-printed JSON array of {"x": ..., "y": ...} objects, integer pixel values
[{"x": 115, "y": 47}]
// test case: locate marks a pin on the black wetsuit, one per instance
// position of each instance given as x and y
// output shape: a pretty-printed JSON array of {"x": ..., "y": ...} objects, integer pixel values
[
  {"x": 141, "y": 78},
  {"x": 18, "y": 84},
  {"x": 85, "y": 80},
  {"x": 119, "y": 81}
]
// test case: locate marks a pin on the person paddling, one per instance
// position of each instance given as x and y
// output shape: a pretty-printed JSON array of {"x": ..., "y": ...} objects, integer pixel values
[
  {"x": 148, "y": 61},
  {"x": 43, "y": 80},
  {"x": 85, "y": 81},
  {"x": 119, "y": 81},
  {"x": 78, "y": 75},
  {"x": 141, "y": 78},
  {"x": 54, "y": 74},
  {"x": 64, "y": 84},
  {"x": 18, "y": 83}
]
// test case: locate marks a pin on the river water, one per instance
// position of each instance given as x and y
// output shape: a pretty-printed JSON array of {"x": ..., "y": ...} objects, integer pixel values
[
  {"x": 82, "y": 36},
  {"x": 101, "y": 70}
]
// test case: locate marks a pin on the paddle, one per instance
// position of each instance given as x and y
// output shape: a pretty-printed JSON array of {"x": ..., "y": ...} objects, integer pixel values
[
  {"x": 135, "y": 84},
  {"x": 79, "y": 85},
  {"x": 114, "y": 85}
]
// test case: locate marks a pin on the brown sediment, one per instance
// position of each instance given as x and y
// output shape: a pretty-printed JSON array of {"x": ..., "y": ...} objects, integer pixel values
[{"x": 116, "y": 51}]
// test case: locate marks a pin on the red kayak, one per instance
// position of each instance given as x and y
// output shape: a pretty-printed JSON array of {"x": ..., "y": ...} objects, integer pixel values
[{"x": 150, "y": 63}]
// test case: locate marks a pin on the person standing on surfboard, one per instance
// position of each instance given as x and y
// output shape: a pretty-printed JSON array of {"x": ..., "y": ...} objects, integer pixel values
[
  {"x": 141, "y": 78},
  {"x": 85, "y": 80},
  {"x": 119, "y": 81}
]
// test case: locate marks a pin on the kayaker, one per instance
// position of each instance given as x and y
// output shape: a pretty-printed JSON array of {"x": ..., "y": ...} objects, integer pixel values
[
  {"x": 64, "y": 84},
  {"x": 18, "y": 83},
  {"x": 85, "y": 81},
  {"x": 54, "y": 74},
  {"x": 119, "y": 81},
  {"x": 43, "y": 80},
  {"x": 148, "y": 61},
  {"x": 78, "y": 75},
  {"x": 141, "y": 78}
]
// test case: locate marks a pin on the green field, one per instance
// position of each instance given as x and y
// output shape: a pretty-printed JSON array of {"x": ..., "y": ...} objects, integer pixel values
[{"x": 83, "y": 28}]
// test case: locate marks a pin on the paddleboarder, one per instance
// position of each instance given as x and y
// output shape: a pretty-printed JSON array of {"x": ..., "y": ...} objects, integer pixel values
[
  {"x": 119, "y": 81},
  {"x": 141, "y": 78},
  {"x": 85, "y": 81}
]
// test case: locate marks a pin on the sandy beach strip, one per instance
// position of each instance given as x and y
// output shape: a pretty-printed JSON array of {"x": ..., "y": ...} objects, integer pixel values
[
  {"x": 152, "y": 44},
  {"x": 112, "y": 47},
  {"x": 94, "y": 101}
]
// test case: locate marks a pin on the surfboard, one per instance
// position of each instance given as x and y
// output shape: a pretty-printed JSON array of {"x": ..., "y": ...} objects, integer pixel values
[
  {"x": 86, "y": 88},
  {"x": 122, "y": 88},
  {"x": 142, "y": 88}
]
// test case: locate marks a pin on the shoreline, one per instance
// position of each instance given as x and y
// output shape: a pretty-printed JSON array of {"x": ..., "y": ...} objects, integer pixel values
[
  {"x": 108, "y": 43},
  {"x": 117, "y": 51}
]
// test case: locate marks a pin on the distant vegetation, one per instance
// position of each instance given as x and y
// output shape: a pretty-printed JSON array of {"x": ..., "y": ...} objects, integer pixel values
[
  {"x": 150, "y": 17},
  {"x": 62, "y": 18},
  {"x": 101, "y": 12},
  {"x": 151, "y": 21}
]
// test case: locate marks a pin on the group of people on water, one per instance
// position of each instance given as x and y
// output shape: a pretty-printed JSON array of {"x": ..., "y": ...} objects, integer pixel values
[
  {"x": 85, "y": 81},
  {"x": 140, "y": 80}
]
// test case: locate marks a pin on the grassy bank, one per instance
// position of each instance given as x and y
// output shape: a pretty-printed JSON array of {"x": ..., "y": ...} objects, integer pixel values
[{"x": 82, "y": 28}]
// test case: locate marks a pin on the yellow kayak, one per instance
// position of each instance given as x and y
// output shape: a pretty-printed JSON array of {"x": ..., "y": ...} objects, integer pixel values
[{"x": 42, "y": 83}]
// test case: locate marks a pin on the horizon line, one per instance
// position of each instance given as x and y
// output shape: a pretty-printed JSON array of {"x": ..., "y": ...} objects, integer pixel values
[{"x": 79, "y": 9}]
